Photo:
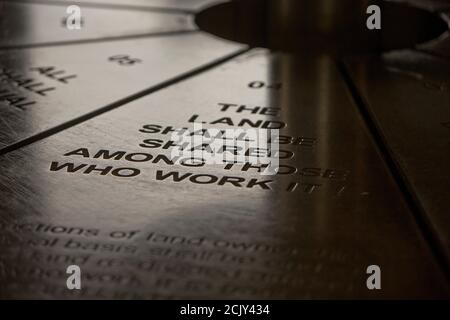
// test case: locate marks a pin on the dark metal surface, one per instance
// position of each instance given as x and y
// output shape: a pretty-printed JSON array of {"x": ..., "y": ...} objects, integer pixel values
[
  {"x": 28, "y": 24},
  {"x": 76, "y": 119},
  {"x": 408, "y": 96},
  {"x": 210, "y": 240},
  {"x": 321, "y": 26},
  {"x": 92, "y": 76},
  {"x": 433, "y": 5},
  {"x": 440, "y": 46}
]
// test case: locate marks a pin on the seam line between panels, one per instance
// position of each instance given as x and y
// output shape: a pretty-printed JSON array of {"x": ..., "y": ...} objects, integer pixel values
[
  {"x": 424, "y": 225},
  {"x": 106, "y": 39},
  {"x": 80, "y": 119}
]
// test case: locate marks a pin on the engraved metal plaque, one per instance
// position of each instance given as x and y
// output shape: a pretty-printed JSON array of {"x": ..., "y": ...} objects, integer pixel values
[
  {"x": 103, "y": 196},
  {"x": 93, "y": 174},
  {"x": 44, "y": 87}
]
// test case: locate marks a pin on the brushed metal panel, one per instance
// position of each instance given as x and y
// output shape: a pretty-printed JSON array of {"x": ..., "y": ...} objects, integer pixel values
[
  {"x": 80, "y": 78},
  {"x": 189, "y": 5},
  {"x": 141, "y": 237},
  {"x": 23, "y": 24}
]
